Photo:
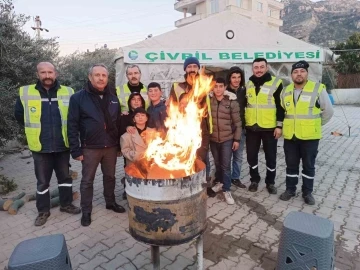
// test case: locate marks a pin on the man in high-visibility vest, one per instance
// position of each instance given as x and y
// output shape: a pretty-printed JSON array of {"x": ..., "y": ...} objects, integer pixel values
[
  {"x": 263, "y": 122},
  {"x": 307, "y": 107},
  {"x": 134, "y": 85},
  {"x": 42, "y": 108},
  {"x": 191, "y": 68}
]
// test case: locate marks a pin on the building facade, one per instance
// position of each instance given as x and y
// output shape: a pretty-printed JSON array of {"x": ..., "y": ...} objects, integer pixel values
[{"x": 266, "y": 12}]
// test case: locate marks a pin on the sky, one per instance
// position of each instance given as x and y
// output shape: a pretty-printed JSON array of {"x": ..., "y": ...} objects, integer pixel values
[{"x": 88, "y": 24}]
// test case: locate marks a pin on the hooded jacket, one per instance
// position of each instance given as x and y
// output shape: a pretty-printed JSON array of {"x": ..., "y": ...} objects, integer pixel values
[{"x": 127, "y": 120}]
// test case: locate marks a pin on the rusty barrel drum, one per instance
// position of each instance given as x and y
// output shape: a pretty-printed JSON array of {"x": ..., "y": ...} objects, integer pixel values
[{"x": 166, "y": 212}]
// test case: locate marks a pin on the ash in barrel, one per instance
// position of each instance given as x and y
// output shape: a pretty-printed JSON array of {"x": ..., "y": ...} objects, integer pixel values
[{"x": 145, "y": 169}]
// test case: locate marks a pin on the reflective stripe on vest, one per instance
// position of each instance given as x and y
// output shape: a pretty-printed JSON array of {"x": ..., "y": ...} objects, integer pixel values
[
  {"x": 303, "y": 119},
  {"x": 124, "y": 94},
  {"x": 261, "y": 108},
  {"x": 178, "y": 91},
  {"x": 31, "y": 101}
]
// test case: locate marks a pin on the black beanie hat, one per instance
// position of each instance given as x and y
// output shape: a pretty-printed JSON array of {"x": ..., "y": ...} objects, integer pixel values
[{"x": 301, "y": 64}]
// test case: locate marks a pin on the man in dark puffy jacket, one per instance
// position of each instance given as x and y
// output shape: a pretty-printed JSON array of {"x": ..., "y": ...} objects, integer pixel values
[
  {"x": 226, "y": 135},
  {"x": 94, "y": 114}
]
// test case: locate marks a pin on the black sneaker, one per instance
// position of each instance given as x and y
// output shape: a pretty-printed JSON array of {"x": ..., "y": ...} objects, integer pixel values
[
  {"x": 210, "y": 192},
  {"x": 70, "y": 209},
  {"x": 86, "y": 219},
  {"x": 253, "y": 187},
  {"x": 271, "y": 189},
  {"x": 116, "y": 208},
  {"x": 309, "y": 199},
  {"x": 42, "y": 218},
  {"x": 287, "y": 195},
  {"x": 237, "y": 183}
]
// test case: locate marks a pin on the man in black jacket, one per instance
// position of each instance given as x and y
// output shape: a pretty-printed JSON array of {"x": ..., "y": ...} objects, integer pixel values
[
  {"x": 42, "y": 109},
  {"x": 264, "y": 116},
  {"x": 94, "y": 114},
  {"x": 236, "y": 85}
]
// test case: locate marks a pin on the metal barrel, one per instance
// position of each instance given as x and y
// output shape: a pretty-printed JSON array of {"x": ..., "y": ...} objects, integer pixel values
[{"x": 167, "y": 212}]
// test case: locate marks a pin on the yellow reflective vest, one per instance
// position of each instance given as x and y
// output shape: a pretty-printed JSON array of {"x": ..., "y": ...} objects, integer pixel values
[
  {"x": 124, "y": 93},
  {"x": 31, "y": 101},
  {"x": 303, "y": 119},
  {"x": 179, "y": 90},
  {"x": 261, "y": 108}
]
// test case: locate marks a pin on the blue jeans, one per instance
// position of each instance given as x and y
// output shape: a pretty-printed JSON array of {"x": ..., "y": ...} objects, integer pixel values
[
  {"x": 222, "y": 158},
  {"x": 237, "y": 158}
]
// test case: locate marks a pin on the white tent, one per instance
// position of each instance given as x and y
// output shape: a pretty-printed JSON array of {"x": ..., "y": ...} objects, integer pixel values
[{"x": 219, "y": 42}]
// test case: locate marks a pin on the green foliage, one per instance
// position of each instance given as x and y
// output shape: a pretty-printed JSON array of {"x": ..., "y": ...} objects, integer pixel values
[
  {"x": 19, "y": 55},
  {"x": 349, "y": 61},
  {"x": 8, "y": 185},
  {"x": 73, "y": 68}
]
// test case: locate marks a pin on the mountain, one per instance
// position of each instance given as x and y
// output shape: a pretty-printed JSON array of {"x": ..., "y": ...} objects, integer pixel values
[{"x": 323, "y": 23}]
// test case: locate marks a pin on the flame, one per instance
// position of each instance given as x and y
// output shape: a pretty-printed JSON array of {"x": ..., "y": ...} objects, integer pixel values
[{"x": 177, "y": 149}]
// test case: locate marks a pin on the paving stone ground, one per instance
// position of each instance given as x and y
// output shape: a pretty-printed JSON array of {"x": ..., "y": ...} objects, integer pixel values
[{"x": 243, "y": 236}]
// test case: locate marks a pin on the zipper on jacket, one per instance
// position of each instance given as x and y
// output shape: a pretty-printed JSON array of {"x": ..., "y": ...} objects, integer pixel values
[
  {"x": 217, "y": 119},
  {"x": 51, "y": 124}
]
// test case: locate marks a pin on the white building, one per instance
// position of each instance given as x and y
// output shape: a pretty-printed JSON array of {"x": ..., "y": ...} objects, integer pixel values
[{"x": 267, "y": 12}]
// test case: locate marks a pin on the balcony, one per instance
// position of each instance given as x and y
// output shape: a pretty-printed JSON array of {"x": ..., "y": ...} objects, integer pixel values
[
  {"x": 188, "y": 20},
  {"x": 239, "y": 10},
  {"x": 273, "y": 4},
  {"x": 190, "y": 5},
  {"x": 275, "y": 22}
]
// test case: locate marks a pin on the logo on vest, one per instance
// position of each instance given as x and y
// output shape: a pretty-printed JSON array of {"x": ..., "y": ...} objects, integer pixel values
[
  {"x": 287, "y": 104},
  {"x": 133, "y": 55},
  {"x": 33, "y": 109}
]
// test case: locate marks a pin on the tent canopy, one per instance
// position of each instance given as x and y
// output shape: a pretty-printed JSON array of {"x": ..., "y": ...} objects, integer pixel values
[{"x": 220, "y": 41}]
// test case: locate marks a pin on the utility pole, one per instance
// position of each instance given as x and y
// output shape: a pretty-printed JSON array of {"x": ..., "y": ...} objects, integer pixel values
[{"x": 38, "y": 27}]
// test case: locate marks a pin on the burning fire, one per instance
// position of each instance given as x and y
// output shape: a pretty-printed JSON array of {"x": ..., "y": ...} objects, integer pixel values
[{"x": 177, "y": 150}]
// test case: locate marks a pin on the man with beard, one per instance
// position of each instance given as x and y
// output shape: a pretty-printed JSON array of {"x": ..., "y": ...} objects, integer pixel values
[
  {"x": 263, "y": 122},
  {"x": 307, "y": 107},
  {"x": 191, "y": 68},
  {"x": 42, "y": 108},
  {"x": 133, "y": 74},
  {"x": 94, "y": 114}
]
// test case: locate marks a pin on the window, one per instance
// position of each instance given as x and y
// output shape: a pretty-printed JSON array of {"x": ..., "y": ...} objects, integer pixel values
[
  {"x": 214, "y": 4},
  {"x": 239, "y": 3},
  {"x": 269, "y": 12},
  {"x": 260, "y": 6}
]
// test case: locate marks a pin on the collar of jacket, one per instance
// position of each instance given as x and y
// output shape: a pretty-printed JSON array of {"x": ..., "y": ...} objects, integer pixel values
[
  {"x": 160, "y": 104},
  {"x": 228, "y": 94},
  {"x": 260, "y": 81},
  {"x": 41, "y": 88},
  {"x": 135, "y": 88}
]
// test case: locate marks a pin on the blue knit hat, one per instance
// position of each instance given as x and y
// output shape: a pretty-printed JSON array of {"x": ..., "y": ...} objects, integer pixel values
[{"x": 191, "y": 60}]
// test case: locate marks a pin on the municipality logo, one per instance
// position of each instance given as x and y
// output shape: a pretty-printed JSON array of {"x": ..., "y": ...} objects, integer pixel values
[
  {"x": 133, "y": 55},
  {"x": 33, "y": 109}
]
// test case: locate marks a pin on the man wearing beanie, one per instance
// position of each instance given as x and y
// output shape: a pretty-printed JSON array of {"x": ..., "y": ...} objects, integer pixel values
[
  {"x": 191, "y": 68},
  {"x": 263, "y": 122},
  {"x": 307, "y": 107},
  {"x": 236, "y": 84}
]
